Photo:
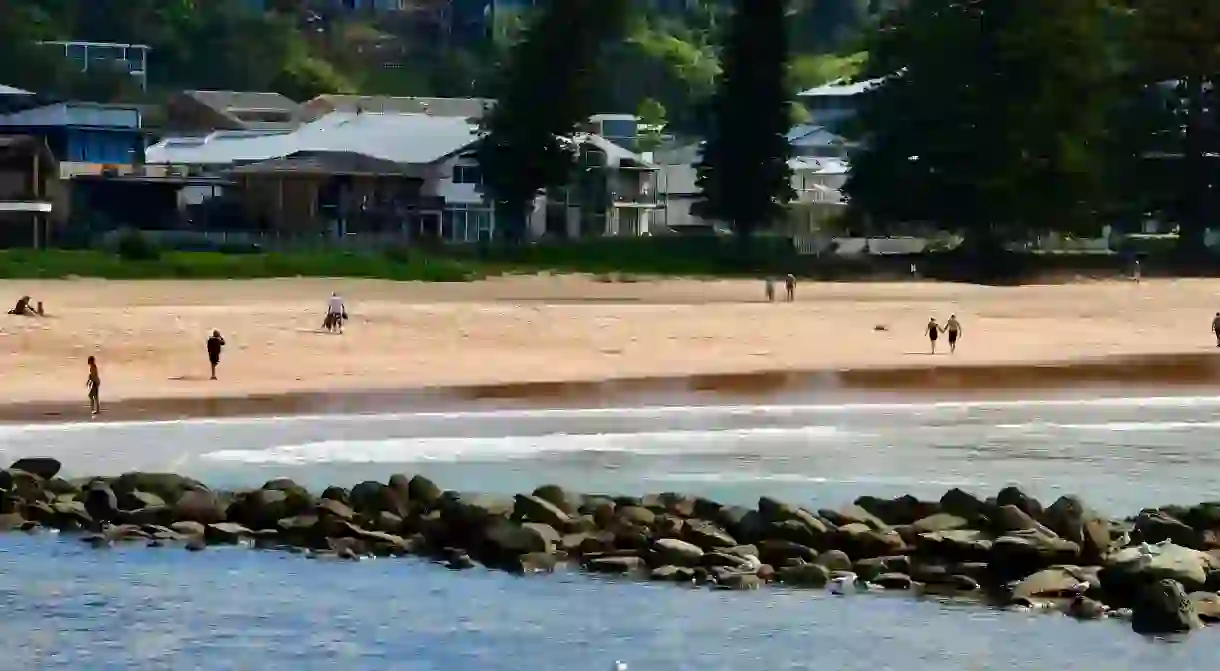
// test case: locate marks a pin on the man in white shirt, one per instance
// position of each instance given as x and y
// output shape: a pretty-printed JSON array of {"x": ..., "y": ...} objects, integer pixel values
[{"x": 336, "y": 312}]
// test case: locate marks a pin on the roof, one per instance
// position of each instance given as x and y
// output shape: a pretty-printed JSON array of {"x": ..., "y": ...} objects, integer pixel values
[
  {"x": 821, "y": 166},
  {"x": 469, "y": 108},
  {"x": 10, "y": 91},
  {"x": 238, "y": 105},
  {"x": 325, "y": 163},
  {"x": 614, "y": 153},
  {"x": 401, "y": 138},
  {"x": 840, "y": 87}
]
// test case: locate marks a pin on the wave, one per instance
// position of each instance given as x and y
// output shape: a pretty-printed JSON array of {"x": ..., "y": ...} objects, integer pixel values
[
  {"x": 1116, "y": 427},
  {"x": 648, "y": 412},
  {"x": 409, "y": 450}
]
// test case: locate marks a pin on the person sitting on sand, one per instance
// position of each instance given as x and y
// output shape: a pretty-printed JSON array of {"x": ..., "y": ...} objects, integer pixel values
[
  {"x": 933, "y": 332},
  {"x": 215, "y": 343},
  {"x": 23, "y": 309},
  {"x": 953, "y": 329},
  {"x": 769, "y": 288},
  {"x": 95, "y": 384},
  {"x": 336, "y": 312}
]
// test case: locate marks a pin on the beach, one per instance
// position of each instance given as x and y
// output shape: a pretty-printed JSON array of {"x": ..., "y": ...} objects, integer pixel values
[{"x": 149, "y": 335}]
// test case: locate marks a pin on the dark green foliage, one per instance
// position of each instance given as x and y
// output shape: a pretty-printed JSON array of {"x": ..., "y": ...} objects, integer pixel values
[
  {"x": 744, "y": 171},
  {"x": 135, "y": 246},
  {"x": 990, "y": 119},
  {"x": 545, "y": 93}
]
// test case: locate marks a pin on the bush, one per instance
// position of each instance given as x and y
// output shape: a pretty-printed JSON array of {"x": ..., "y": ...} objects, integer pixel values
[{"x": 135, "y": 246}]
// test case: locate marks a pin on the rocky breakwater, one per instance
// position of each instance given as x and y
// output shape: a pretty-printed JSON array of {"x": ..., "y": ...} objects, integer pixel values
[{"x": 1160, "y": 569}]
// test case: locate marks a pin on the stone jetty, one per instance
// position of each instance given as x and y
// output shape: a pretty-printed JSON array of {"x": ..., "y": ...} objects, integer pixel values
[{"x": 1160, "y": 569}]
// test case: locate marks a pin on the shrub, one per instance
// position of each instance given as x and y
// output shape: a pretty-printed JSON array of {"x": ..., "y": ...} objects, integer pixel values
[{"x": 135, "y": 246}]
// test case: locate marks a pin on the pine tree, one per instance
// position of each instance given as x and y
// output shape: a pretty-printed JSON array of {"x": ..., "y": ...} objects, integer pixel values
[
  {"x": 743, "y": 173},
  {"x": 989, "y": 118},
  {"x": 545, "y": 93}
]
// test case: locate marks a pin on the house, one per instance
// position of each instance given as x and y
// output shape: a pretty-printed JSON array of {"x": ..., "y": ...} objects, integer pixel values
[
  {"x": 201, "y": 112},
  {"x": 612, "y": 192},
  {"x": 85, "y": 138},
  {"x": 29, "y": 191},
  {"x": 465, "y": 108},
  {"x": 834, "y": 103},
  {"x": 814, "y": 141},
  {"x": 109, "y": 57}
]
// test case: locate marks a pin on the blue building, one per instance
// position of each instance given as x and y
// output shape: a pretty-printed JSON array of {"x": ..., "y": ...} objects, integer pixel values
[{"x": 83, "y": 137}]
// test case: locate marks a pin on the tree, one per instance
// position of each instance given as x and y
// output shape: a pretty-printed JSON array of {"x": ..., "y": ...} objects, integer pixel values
[
  {"x": 988, "y": 119},
  {"x": 1177, "y": 52},
  {"x": 743, "y": 172},
  {"x": 543, "y": 96}
]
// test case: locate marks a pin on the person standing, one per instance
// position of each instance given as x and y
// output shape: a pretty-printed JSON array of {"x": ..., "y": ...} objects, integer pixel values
[
  {"x": 95, "y": 385},
  {"x": 953, "y": 329},
  {"x": 215, "y": 344},
  {"x": 336, "y": 312},
  {"x": 790, "y": 286},
  {"x": 1216, "y": 328},
  {"x": 933, "y": 333},
  {"x": 769, "y": 288}
]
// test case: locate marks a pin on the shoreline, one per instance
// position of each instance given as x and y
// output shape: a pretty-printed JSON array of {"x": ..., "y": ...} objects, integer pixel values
[{"x": 941, "y": 382}]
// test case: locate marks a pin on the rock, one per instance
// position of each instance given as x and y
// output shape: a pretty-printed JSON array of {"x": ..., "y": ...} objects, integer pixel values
[
  {"x": 1084, "y": 608},
  {"x": 26, "y": 486},
  {"x": 388, "y": 522},
  {"x": 1129, "y": 570},
  {"x": 199, "y": 505},
  {"x": 1097, "y": 540},
  {"x": 739, "y": 582},
  {"x": 196, "y": 544},
  {"x": 641, "y": 517},
  {"x": 939, "y": 522},
  {"x": 955, "y": 545},
  {"x": 459, "y": 562},
  {"x": 1207, "y": 605},
  {"x": 334, "y": 509},
  {"x": 1013, "y": 496},
  {"x": 534, "y": 562},
  {"x": 226, "y": 533},
  {"x": 535, "y": 509},
  {"x": 44, "y": 467},
  {"x": 1154, "y": 526},
  {"x": 835, "y": 560},
  {"x": 964, "y": 505},
  {"x": 136, "y": 499},
  {"x": 101, "y": 503},
  {"x": 804, "y": 575},
  {"x": 1066, "y": 518},
  {"x": 859, "y": 540},
  {"x": 741, "y": 523},
  {"x": 389, "y": 544},
  {"x": 713, "y": 559},
  {"x": 401, "y": 484},
  {"x": 371, "y": 497},
  {"x": 1057, "y": 581},
  {"x": 962, "y": 583},
  {"x": 424, "y": 491},
  {"x": 1009, "y": 518},
  {"x": 513, "y": 538},
  {"x": 902, "y": 510},
  {"x": 147, "y": 515},
  {"x": 1164, "y": 608},
  {"x": 815, "y": 535},
  {"x": 188, "y": 528},
  {"x": 558, "y": 497},
  {"x": 71, "y": 515},
  {"x": 11, "y": 521},
  {"x": 706, "y": 535},
  {"x": 262, "y": 508},
  {"x": 169, "y": 486},
  {"x": 672, "y": 574},
  {"x": 616, "y": 565},
  {"x": 853, "y": 515},
  {"x": 335, "y": 493},
  {"x": 1020, "y": 554},
  {"x": 897, "y": 581},
  {"x": 781, "y": 552},
  {"x": 674, "y": 552},
  {"x": 872, "y": 567}
]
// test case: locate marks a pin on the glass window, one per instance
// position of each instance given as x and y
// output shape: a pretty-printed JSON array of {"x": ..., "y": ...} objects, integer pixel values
[
  {"x": 467, "y": 174},
  {"x": 447, "y": 225}
]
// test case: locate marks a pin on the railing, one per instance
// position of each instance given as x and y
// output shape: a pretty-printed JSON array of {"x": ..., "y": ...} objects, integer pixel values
[{"x": 268, "y": 241}]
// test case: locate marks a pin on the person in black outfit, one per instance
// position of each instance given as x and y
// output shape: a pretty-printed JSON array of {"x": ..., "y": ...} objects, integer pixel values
[{"x": 215, "y": 343}]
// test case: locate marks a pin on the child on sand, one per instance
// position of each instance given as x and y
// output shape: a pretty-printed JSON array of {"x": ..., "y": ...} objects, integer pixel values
[
  {"x": 933, "y": 332},
  {"x": 769, "y": 288},
  {"x": 94, "y": 383},
  {"x": 215, "y": 343}
]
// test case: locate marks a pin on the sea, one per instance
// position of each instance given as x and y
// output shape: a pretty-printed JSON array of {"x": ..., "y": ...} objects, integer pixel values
[{"x": 64, "y": 605}]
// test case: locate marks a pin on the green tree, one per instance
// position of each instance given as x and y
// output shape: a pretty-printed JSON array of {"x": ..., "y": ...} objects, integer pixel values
[
  {"x": 989, "y": 119},
  {"x": 545, "y": 93},
  {"x": 743, "y": 172}
]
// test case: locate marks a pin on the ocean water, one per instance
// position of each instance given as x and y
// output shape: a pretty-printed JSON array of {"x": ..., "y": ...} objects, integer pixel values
[{"x": 65, "y": 605}]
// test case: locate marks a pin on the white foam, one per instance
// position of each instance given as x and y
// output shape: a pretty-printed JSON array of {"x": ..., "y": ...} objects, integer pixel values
[
  {"x": 646, "y": 412},
  {"x": 1116, "y": 427},
  {"x": 732, "y": 477},
  {"x": 409, "y": 450}
]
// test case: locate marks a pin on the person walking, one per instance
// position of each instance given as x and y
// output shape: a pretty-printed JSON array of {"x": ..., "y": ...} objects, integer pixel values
[
  {"x": 933, "y": 332},
  {"x": 215, "y": 344},
  {"x": 94, "y": 383},
  {"x": 336, "y": 312},
  {"x": 1216, "y": 328},
  {"x": 953, "y": 329},
  {"x": 790, "y": 287}
]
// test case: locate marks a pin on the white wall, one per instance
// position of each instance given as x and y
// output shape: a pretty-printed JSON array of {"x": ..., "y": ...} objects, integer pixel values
[{"x": 439, "y": 182}]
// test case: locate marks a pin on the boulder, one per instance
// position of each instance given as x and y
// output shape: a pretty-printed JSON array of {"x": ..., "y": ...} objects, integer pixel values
[
  {"x": 558, "y": 497},
  {"x": 336, "y": 493},
  {"x": 168, "y": 486},
  {"x": 1155, "y": 526},
  {"x": 512, "y": 538},
  {"x": 939, "y": 522},
  {"x": 334, "y": 509},
  {"x": 11, "y": 521},
  {"x": 674, "y": 552},
  {"x": 739, "y": 581},
  {"x": 636, "y": 515},
  {"x": 199, "y": 505},
  {"x": 44, "y": 467},
  {"x": 25, "y": 485},
  {"x": 965, "y": 505},
  {"x": 895, "y": 581},
  {"x": 136, "y": 499},
  {"x": 401, "y": 484},
  {"x": 1084, "y": 608},
  {"x": 834, "y": 560},
  {"x": 101, "y": 503},
  {"x": 1057, "y": 581},
  {"x": 536, "y": 509},
  {"x": 860, "y": 541},
  {"x": 783, "y": 553},
  {"x": 262, "y": 508},
  {"x": 1066, "y": 518},
  {"x": 371, "y": 497},
  {"x": 955, "y": 545},
  {"x": 815, "y": 535},
  {"x": 668, "y": 526},
  {"x": 706, "y": 535},
  {"x": 424, "y": 491},
  {"x": 1020, "y": 554},
  {"x": 853, "y": 515},
  {"x": 188, "y": 528},
  {"x": 1013, "y": 496},
  {"x": 711, "y": 559},
  {"x": 1129, "y": 570},
  {"x": 804, "y": 575},
  {"x": 1009, "y": 518},
  {"x": 226, "y": 533},
  {"x": 1098, "y": 542},
  {"x": 1164, "y": 608},
  {"x": 672, "y": 574},
  {"x": 1207, "y": 605},
  {"x": 905, "y": 509},
  {"x": 741, "y": 523},
  {"x": 616, "y": 565},
  {"x": 872, "y": 567}
]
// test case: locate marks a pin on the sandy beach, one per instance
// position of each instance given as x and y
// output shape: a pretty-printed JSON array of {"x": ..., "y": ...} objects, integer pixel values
[{"x": 149, "y": 335}]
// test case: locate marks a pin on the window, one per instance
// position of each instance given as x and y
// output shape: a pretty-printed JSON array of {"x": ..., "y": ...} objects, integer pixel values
[
  {"x": 460, "y": 224},
  {"x": 467, "y": 174}
]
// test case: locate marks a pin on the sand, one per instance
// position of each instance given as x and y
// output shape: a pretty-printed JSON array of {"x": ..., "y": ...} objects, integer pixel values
[{"x": 149, "y": 335}]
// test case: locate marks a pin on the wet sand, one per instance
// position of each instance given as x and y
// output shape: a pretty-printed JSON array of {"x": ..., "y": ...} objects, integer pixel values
[{"x": 544, "y": 340}]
